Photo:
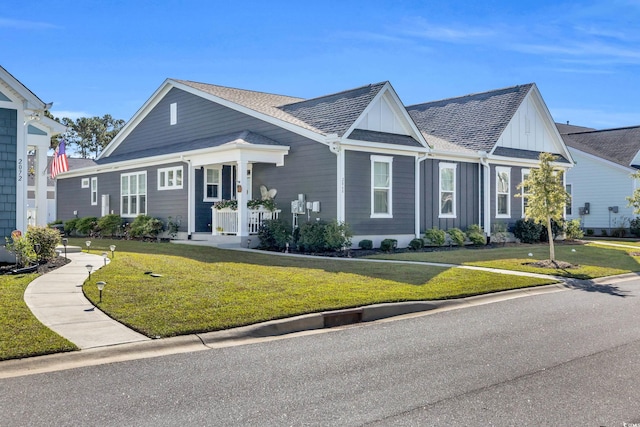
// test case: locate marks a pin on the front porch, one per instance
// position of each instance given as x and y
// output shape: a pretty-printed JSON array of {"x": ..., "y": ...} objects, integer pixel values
[{"x": 226, "y": 221}]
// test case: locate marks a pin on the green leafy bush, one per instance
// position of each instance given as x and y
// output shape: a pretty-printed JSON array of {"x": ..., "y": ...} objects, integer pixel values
[
  {"x": 311, "y": 238},
  {"x": 47, "y": 239},
  {"x": 86, "y": 225},
  {"x": 320, "y": 236},
  {"x": 388, "y": 245},
  {"x": 109, "y": 225},
  {"x": 365, "y": 244},
  {"x": 476, "y": 235},
  {"x": 499, "y": 234},
  {"x": 573, "y": 230},
  {"x": 274, "y": 234},
  {"x": 173, "y": 227},
  {"x": 22, "y": 248},
  {"x": 457, "y": 236},
  {"x": 146, "y": 226},
  {"x": 634, "y": 227},
  {"x": 70, "y": 225},
  {"x": 435, "y": 236},
  {"x": 337, "y": 235},
  {"x": 416, "y": 244},
  {"x": 528, "y": 231}
]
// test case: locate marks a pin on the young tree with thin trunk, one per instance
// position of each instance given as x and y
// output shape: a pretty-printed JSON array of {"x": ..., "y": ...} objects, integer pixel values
[
  {"x": 546, "y": 196},
  {"x": 634, "y": 200}
]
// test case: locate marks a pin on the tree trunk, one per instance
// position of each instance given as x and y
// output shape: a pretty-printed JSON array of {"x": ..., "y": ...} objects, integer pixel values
[{"x": 552, "y": 251}]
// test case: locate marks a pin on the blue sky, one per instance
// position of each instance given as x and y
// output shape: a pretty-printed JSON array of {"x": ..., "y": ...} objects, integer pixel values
[{"x": 94, "y": 58}]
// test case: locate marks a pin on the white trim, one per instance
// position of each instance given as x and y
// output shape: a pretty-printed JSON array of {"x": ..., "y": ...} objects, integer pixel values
[
  {"x": 217, "y": 168},
  {"x": 130, "y": 214},
  {"x": 499, "y": 170},
  {"x": 178, "y": 178},
  {"x": 523, "y": 195},
  {"x": 389, "y": 188},
  {"x": 84, "y": 183},
  {"x": 609, "y": 163},
  {"x": 94, "y": 191},
  {"x": 570, "y": 204},
  {"x": 454, "y": 166}
]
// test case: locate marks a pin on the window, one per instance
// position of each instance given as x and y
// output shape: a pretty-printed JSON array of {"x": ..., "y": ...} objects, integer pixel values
[
  {"x": 133, "y": 194},
  {"x": 525, "y": 193},
  {"x": 212, "y": 177},
  {"x": 568, "y": 210},
  {"x": 85, "y": 183},
  {"x": 381, "y": 184},
  {"x": 448, "y": 190},
  {"x": 173, "y": 113},
  {"x": 170, "y": 178},
  {"x": 503, "y": 192},
  {"x": 94, "y": 190}
]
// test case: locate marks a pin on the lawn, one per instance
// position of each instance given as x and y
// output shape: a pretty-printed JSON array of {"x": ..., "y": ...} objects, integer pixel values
[
  {"x": 21, "y": 334},
  {"x": 206, "y": 289},
  {"x": 592, "y": 260}
]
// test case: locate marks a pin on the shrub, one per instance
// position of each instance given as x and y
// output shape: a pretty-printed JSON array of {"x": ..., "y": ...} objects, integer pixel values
[
  {"x": 321, "y": 236},
  {"x": 274, "y": 234},
  {"x": 499, "y": 234},
  {"x": 590, "y": 232},
  {"x": 337, "y": 235},
  {"x": 528, "y": 231},
  {"x": 435, "y": 236},
  {"x": 388, "y": 245},
  {"x": 86, "y": 225},
  {"x": 457, "y": 236},
  {"x": 47, "y": 238},
  {"x": 22, "y": 248},
  {"x": 573, "y": 230},
  {"x": 365, "y": 244},
  {"x": 109, "y": 225},
  {"x": 476, "y": 235},
  {"x": 173, "y": 227},
  {"x": 146, "y": 226},
  {"x": 634, "y": 227},
  {"x": 311, "y": 237},
  {"x": 604, "y": 232},
  {"x": 416, "y": 244},
  {"x": 70, "y": 225}
]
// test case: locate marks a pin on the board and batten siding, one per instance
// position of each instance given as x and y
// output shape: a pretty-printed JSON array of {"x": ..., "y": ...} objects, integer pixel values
[
  {"x": 8, "y": 156},
  {"x": 358, "y": 196},
  {"x": 602, "y": 185},
  {"x": 160, "y": 204},
  {"x": 515, "y": 213},
  {"x": 466, "y": 196}
]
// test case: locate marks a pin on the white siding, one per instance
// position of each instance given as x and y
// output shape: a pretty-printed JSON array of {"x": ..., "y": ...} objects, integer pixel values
[
  {"x": 381, "y": 117},
  {"x": 601, "y": 184},
  {"x": 527, "y": 130}
]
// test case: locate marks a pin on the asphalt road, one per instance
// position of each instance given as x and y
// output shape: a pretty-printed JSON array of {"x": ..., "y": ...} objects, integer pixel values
[{"x": 562, "y": 359}]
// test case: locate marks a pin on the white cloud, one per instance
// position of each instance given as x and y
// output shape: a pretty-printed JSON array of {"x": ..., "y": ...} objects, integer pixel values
[{"x": 26, "y": 25}]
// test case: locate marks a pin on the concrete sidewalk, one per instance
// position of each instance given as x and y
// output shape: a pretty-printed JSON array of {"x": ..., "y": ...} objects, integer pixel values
[{"x": 56, "y": 299}]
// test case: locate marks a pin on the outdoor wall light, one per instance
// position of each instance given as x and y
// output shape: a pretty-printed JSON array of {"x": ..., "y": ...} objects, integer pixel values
[
  {"x": 88, "y": 243},
  {"x": 65, "y": 242},
  {"x": 104, "y": 257},
  {"x": 112, "y": 248},
  {"x": 89, "y": 268},
  {"x": 100, "y": 288}
]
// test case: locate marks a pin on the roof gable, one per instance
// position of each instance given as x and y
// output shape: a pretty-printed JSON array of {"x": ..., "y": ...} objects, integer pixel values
[
  {"x": 473, "y": 121},
  {"x": 13, "y": 86},
  {"x": 620, "y": 146}
]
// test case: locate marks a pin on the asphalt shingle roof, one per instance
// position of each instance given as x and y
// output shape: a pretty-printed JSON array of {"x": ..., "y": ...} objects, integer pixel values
[
  {"x": 384, "y": 137},
  {"x": 619, "y": 146},
  {"x": 524, "y": 154},
  {"x": 473, "y": 122}
]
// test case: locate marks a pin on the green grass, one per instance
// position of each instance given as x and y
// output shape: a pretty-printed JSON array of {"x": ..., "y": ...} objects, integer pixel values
[
  {"x": 21, "y": 334},
  {"x": 592, "y": 260},
  {"x": 207, "y": 289}
]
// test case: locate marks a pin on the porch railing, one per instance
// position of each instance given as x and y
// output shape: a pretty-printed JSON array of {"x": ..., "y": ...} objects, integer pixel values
[{"x": 225, "y": 221}]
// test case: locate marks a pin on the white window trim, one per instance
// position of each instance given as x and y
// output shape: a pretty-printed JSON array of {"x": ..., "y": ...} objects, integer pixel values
[
  {"x": 204, "y": 194},
  {"x": 173, "y": 113},
  {"x": 146, "y": 194},
  {"x": 84, "y": 183},
  {"x": 500, "y": 169},
  {"x": 441, "y": 166},
  {"x": 570, "y": 204},
  {"x": 524, "y": 172},
  {"x": 175, "y": 170},
  {"x": 389, "y": 160},
  {"x": 94, "y": 191}
]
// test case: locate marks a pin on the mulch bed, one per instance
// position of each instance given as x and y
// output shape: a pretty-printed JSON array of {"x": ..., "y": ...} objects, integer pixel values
[{"x": 42, "y": 268}]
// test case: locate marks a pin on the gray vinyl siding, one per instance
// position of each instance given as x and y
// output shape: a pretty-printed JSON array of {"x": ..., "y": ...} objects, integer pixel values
[
  {"x": 8, "y": 156},
  {"x": 516, "y": 202},
  {"x": 466, "y": 196},
  {"x": 358, "y": 196},
  {"x": 160, "y": 204}
]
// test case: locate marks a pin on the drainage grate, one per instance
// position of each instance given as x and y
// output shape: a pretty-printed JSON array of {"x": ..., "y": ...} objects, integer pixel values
[{"x": 342, "y": 317}]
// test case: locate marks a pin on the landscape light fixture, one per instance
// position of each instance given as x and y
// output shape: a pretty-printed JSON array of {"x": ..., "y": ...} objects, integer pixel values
[
  {"x": 113, "y": 249},
  {"x": 100, "y": 288},
  {"x": 88, "y": 243},
  {"x": 104, "y": 257},
  {"x": 65, "y": 242},
  {"x": 89, "y": 268},
  {"x": 36, "y": 249}
]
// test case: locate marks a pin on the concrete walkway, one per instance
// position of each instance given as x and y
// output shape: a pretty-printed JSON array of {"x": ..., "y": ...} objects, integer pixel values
[{"x": 56, "y": 299}]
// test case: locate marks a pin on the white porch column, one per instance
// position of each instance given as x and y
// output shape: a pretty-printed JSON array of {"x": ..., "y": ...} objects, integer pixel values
[
  {"x": 21, "y": 173},
  {"x": 241, "y": 195},
  {"x": 41, "y": 174}
]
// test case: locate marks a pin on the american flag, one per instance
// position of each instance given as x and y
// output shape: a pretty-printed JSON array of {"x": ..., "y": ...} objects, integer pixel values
[{"x": 59, "y": 162}]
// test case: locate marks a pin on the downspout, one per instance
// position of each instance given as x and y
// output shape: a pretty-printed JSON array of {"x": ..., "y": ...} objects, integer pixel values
[
  {"x": 335, "y": 148},
  {"x": 485, "y": 201},
  {"x": 419, "y": 159},
  {"x": 190, "y": 199}
]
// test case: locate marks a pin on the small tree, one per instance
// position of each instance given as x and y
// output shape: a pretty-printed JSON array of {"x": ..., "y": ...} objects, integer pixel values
[
  {"x": 634, "y": 199},
  {"x": 546, "y": 196}
]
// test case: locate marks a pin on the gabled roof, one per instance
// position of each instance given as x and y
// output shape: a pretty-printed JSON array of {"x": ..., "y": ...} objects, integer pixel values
[
  {"x": 474, "y": 122},
  {"x": 21, "y": 90},
  {"x": 337, "y": 112},
  {"x": 620, "y": 146},
  {"x": 567, "y": 128}
]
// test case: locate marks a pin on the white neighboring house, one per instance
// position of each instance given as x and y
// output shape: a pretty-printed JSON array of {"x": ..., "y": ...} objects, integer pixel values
[{"x": 601, "y": 180}]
